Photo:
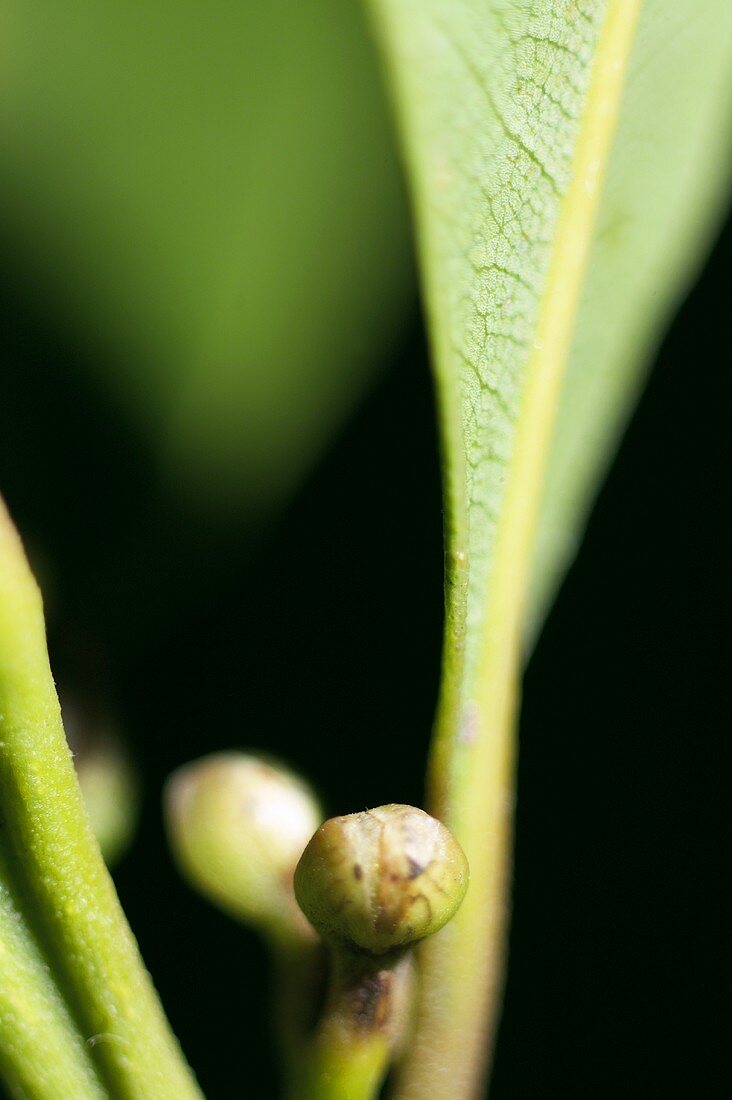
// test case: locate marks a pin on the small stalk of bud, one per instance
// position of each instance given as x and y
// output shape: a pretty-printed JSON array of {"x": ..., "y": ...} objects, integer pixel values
[{"x": 372, "y": 884}]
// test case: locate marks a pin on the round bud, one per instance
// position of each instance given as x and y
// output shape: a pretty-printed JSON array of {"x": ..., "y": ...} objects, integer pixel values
[
  {"x": 379, "y": 880},
  {"x": 106, "y": 777},
  {"x": 109, "y": 788},
  {"x": 238, "y": 826}
]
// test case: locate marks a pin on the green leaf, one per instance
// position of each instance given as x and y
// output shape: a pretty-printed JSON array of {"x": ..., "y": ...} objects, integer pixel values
[
  {"x": 78, "y": 1013},
  {"x": 206, "y": 199},
  {"x": 567, "y": 162},
  {"x": 667, "y": 185}
]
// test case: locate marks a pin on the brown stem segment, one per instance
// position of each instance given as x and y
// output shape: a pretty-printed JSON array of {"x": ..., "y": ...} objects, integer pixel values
[{"x": 362, "y": 1024}]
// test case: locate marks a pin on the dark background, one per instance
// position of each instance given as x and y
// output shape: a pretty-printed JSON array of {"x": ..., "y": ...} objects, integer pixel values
[{"x": 317, "y": 637}]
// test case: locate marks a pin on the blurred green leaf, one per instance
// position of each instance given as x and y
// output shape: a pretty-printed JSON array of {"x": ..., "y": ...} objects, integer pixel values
[
  {"x": 568, "y": 162},
  {"x": 206, "y": 196},
  {"x": 666, "y": 189}
]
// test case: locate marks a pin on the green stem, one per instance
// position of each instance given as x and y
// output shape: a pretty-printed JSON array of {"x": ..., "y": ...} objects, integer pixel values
[
  {"x": 93, "y": 955},
  {"x": 42, "y": 1051},
  {"x": 348, "y": 1055},
  {"x": 299, "y": 977}
]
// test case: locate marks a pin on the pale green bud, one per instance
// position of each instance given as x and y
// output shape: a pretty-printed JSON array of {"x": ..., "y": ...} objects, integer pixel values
[
  {"x": 109, "y": 788},
  {"x": 107, "y": 779},
  {"x": 379, "y": 880},
  {"x": 238, "y": 825}
]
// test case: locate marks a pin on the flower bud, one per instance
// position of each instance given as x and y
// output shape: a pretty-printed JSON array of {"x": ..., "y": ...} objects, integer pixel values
[
  {"x": 107, "y": 779},
  {"x": 238, "y": 826},
  {"x": 109, "y": 788},
  {"x": 379, "y": 880}
]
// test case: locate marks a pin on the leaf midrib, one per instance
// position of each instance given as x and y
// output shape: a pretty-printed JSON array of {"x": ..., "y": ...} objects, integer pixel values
[{"x": 557, "y": 313}]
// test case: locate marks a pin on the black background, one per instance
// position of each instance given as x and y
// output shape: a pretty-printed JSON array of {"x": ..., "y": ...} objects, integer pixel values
[{"x": 318, "y": 639}]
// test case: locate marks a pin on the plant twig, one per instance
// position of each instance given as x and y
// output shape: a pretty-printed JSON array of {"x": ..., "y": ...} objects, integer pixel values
[{"x": 91, "y": 952}]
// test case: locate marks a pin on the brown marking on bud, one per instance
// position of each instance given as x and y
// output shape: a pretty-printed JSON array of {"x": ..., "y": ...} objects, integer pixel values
[
  {"x": 372, "y": 1001},
  {"x": 415, "y": 869}
]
